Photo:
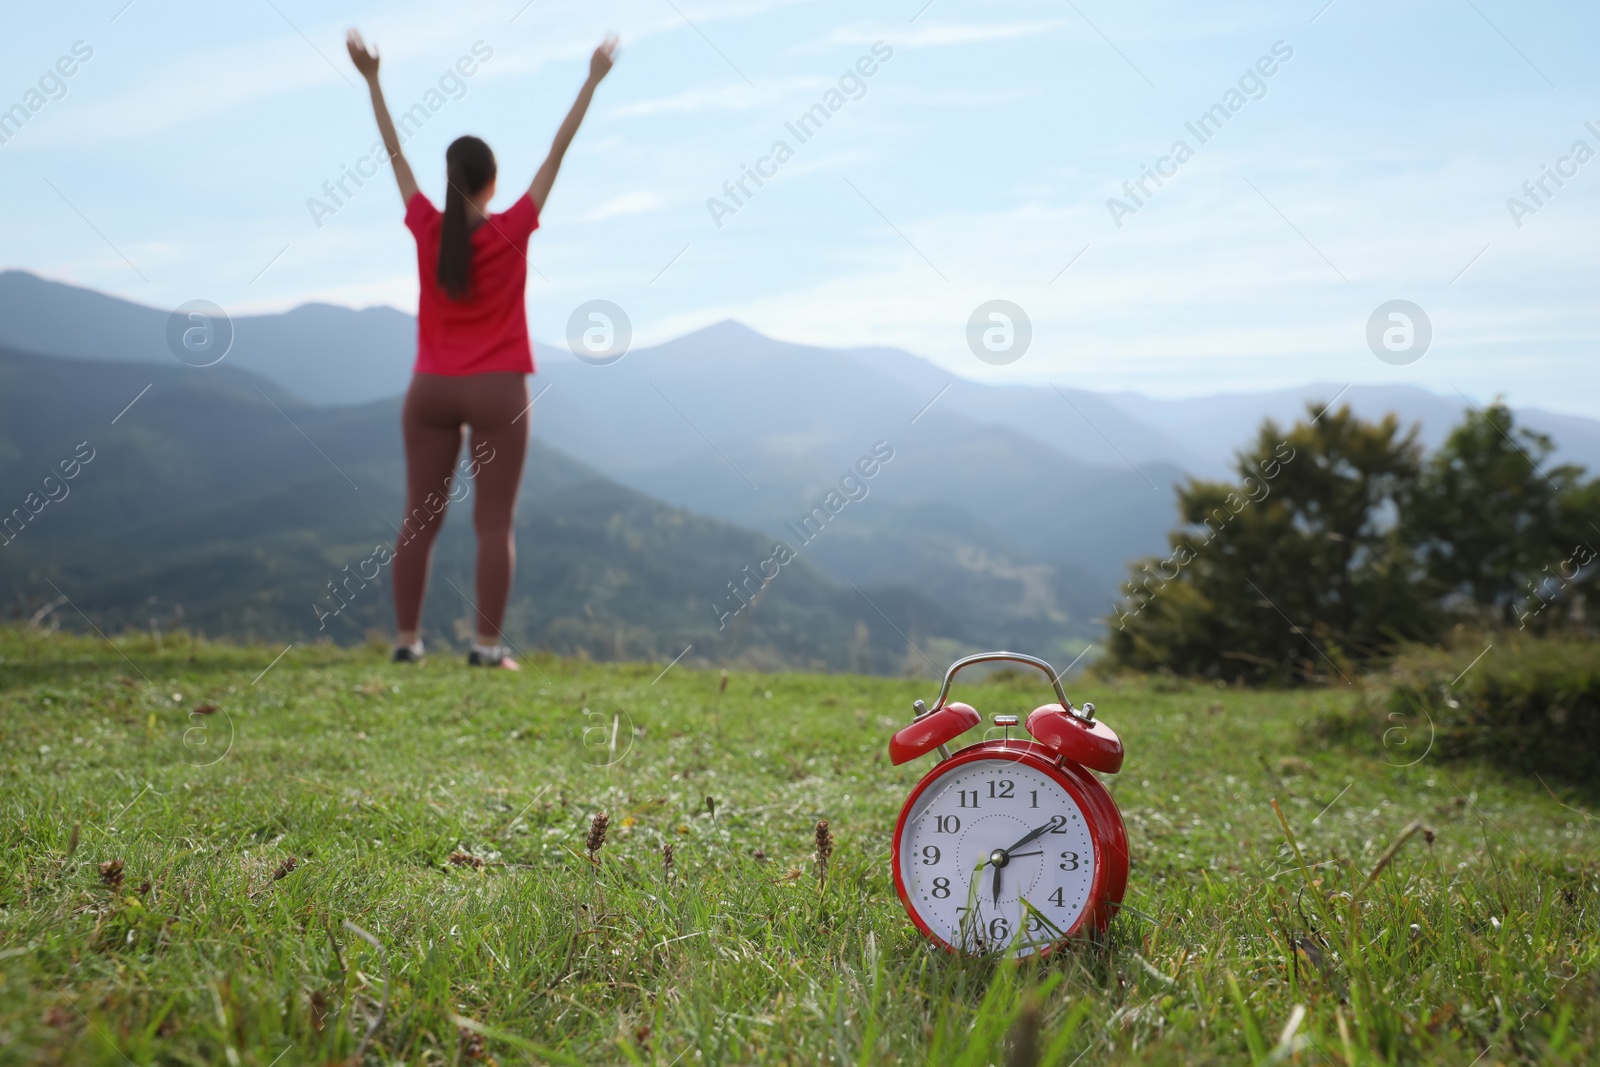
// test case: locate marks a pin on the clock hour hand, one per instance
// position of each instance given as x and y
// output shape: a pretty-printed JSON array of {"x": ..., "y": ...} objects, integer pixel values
[{"x": 997, "y": 869}]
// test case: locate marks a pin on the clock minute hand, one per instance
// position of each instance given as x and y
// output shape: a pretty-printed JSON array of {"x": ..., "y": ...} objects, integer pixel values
[{"x": 1036, "y": 832}]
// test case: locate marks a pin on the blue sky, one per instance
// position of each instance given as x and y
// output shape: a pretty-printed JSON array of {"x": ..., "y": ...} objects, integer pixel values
[{"x": 976, "y": 163}]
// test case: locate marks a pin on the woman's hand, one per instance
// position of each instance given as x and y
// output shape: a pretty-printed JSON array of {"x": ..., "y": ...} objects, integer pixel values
[
  {"x": 600, "y": 62},
  {"x": 365, "y": 59}
]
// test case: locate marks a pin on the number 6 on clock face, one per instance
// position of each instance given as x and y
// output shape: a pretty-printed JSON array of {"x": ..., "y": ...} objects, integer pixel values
[{"x": 996, "y": 853}]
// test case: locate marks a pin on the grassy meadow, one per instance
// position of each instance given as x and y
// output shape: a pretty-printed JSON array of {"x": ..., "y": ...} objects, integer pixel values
[{"x": 199, "y": 886}]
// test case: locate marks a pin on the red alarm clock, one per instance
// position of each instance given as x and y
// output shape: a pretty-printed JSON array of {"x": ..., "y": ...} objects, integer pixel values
[{"x": 1010, "y": 846}]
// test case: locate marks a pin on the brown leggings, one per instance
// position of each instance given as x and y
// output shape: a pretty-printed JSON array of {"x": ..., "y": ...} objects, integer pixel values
[{"x": 436, "y": 408}]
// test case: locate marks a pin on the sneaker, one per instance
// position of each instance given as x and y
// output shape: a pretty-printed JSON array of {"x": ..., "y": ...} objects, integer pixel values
[
  {"x": 407, "y": 653},
  {"x": 494, "y": 656}
]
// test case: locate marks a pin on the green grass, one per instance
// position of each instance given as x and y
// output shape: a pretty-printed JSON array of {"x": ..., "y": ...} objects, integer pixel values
[{"x": 1479, "y": 948}]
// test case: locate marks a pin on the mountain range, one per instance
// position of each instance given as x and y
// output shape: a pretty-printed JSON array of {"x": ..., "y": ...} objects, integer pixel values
[
  {"x": 213, "y": 501},
  {"x": 1004, "y": 516}
]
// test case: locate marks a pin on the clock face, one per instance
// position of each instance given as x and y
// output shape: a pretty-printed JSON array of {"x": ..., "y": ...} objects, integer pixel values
[{"x": 996, "y": 856}]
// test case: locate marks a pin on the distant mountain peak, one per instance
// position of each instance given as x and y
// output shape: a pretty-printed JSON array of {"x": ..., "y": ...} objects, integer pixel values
[{"x": 725, "y": 332}]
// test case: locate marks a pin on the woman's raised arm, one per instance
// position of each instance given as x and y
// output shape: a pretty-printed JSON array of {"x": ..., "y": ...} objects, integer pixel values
[
  {"x": 599, "y": 67},
  {"x": 366, "y": 61}
]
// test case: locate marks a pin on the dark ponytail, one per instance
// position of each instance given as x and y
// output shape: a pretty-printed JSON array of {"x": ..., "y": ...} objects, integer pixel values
[{"x": 469, "y": 166}]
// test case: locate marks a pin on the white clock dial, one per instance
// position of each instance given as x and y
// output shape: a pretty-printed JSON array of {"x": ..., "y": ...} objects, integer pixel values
[{"x": 995, "y": 817}]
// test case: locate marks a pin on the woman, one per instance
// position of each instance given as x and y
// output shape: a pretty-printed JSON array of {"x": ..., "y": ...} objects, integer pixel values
[{"x": 472, "y": 354}]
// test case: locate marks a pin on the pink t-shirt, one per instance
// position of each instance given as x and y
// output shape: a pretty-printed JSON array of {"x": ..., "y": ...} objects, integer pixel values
[{"x": 488, "y": 331}]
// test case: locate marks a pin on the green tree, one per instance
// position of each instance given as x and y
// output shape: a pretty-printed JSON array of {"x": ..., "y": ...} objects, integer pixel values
[
  {"x": 1292, "y": 573},
  {"x": 1487, "y": 519},
  {"x": 1562, "y": 595}
]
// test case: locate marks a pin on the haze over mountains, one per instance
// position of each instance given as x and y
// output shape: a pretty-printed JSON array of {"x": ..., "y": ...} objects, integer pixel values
[
  {"x": 206, "y": 504},
  {"x": 1005, "y": 515},
  {"x": 325, "y": 354}
]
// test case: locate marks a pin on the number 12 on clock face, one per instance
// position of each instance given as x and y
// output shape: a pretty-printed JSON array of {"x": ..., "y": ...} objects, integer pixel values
[{"x": 995, "y": 855}]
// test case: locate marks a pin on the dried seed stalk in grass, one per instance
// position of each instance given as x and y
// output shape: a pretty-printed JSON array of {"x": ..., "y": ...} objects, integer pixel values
[
  {"x": 722, "y": 686},
  {"x": 1025, "y": 1036},
  {"x": 471, "y": 1044},
  {"x": 1411, "y": 830},
  {"x": 597, "y": 835},
  {"x": 824, "y": 851},
  {"x": 111, "y": 873},
  {"x": 72, "y": 839},
  {"x": 465, "y": 859},
  {"x": 666, "y": 860},
  {"x": 1310, "y": 952},
  {"x": 318, "y": 1010}
]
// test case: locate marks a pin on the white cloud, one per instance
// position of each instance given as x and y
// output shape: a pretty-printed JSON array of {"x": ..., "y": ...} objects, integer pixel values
[
  {"x": 211, "y": 83},
  {"x": 635, "y": 203},
  {"x": 694, "y": 101},
  {"x": 189, "y": 84},
  {"x": 1205, "y": 287},
  {"x": 719, "y": 98},
  {"x": 921, "y": 96},
  {"x": 946, "y": 35}
]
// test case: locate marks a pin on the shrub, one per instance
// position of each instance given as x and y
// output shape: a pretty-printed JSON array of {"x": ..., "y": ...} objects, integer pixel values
[{"x": 1531, "y": 705}]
